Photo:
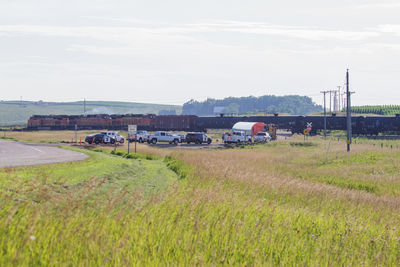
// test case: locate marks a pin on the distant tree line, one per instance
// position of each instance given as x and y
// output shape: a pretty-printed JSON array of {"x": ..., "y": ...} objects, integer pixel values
[
  {"x": 386, "y": 110},
  {"x": 292, "y": 104}
]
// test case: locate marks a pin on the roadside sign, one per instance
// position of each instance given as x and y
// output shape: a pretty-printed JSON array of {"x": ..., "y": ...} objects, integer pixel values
[
  {"x": 305, "y": 132},
  {"x": 132, "y": 129},
  {"x": 309, "y": 126}
]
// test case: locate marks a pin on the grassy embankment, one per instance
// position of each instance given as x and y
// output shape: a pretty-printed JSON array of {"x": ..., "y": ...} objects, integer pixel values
[
  {"x": 69, "y": 213},
  {"x": 282, "y": 203},
  {"x": 17, "y": 112}
]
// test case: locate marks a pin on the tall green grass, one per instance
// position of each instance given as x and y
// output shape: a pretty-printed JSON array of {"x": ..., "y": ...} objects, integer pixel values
[{"x": 232, "y": 207}]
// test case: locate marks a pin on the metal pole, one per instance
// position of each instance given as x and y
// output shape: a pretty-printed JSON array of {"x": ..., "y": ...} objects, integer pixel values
[
  {"x": 324, "y": 92},
  {"x": 128, "y": 145},
  {"x": 330, "y": 102},
  {"x": 351, "y": 129},
  {"x": 135, "y": 141},
  {"x": 76, "y": 134},
  {"x": 115, "y": 142},
  {"x": 84, "y": 106},
  {"x": 334, "y": 101},
  {"x": 324, "y": 118},
  {"x": 348, "y": 112}
]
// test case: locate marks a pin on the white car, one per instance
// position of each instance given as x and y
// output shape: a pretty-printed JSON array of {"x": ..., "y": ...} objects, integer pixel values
[
  {"x": 262, "y": 137},
  {"x": 162, "y": 136},
  {"x": 236, "y": 137},
  {"x": 115, "y": 136}
]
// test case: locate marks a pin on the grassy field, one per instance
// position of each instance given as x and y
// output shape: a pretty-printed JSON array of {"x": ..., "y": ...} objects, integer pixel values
[
  {"x": 283, "y": 203},
  {"x": 387, "y": 110},
  {"x": 48, "y": 136},
  {"x": 17, "y": 113},
  {"x": 69, "y": 136}
]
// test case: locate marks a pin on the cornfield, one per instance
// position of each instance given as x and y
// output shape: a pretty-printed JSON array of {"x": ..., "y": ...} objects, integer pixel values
[{"x": 387, "y": 110}]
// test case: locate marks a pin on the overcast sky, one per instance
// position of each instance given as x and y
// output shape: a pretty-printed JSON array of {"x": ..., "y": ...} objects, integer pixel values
[{"x": 172, "y": 51}]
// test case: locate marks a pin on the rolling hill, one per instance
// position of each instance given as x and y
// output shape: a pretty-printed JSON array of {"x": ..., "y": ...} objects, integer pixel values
[{"x": 17, "y": 112}]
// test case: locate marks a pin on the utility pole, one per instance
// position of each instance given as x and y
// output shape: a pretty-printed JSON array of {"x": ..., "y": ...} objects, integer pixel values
[
  {"x": 344, "y": 99},
  {"x": 335, "y": 108},
  {"x": 348, "y": 109},
  {"x": 324, "y": 92},
  {"x": 339, "y": 99},
  {"x": 84, "y": 106}
]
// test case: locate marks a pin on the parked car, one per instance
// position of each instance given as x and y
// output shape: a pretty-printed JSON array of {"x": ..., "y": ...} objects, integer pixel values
[
  {"x": 162, "y": 136},
  {"x": 198, "y": 138},
  {"x": 262, "y": 137},
  {"x": 236, "y": 137},
  {"x": 141, "y": 137},
  {"x": 115, "y": 136},
  {"x": 99, "y": 138},
  {"x": 182, "y": 138}
]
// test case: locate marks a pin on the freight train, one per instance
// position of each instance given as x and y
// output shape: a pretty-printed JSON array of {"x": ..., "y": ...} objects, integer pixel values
[
  {"x": 361, "y": 125},
  {"x": 148, "y": 122}
]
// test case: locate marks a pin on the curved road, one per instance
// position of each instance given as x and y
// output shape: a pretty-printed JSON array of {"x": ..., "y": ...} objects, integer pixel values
[{"x": 14, "y": 154}]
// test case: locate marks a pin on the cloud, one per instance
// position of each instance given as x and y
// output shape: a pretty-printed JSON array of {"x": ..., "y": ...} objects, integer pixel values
[
  {"x": 184, "y": 31},
  {"x": 307, "y": 33},
  {"x": 380, "y": 5},
  {"x": 389, "y": 28}
]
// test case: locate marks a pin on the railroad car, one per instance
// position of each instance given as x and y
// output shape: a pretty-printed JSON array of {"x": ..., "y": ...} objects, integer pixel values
[
  {"x": 50, "y": 122},
  {"x": 141, "y": 120},
  {"x": 175, "y": 123},
  {"x": 98, "y": 121}
]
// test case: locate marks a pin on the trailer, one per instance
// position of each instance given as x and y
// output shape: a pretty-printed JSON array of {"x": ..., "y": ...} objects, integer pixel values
[{"x": 250, "y": 128}]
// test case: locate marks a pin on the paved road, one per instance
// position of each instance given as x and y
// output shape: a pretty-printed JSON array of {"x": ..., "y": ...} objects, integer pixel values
[{"x": 13, "y": 154}]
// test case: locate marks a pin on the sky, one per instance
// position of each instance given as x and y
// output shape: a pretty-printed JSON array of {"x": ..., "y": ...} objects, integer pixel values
[{"x": 172, "y": 51}]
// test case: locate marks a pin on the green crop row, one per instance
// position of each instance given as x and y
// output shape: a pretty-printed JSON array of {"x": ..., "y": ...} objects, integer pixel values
[{"x": 387, "y": 110}]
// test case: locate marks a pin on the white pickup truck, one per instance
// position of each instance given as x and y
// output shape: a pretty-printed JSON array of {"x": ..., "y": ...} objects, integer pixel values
[
  {"x": 236, "y": 137},
  {"x": 141, "y": 136},
  {"x": 162, "y": 136}
]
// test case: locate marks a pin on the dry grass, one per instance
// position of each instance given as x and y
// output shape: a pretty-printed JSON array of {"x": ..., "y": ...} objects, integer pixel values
[
  {"x": 49, "y": 136},
  {"x": 261, "y": 169}
]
